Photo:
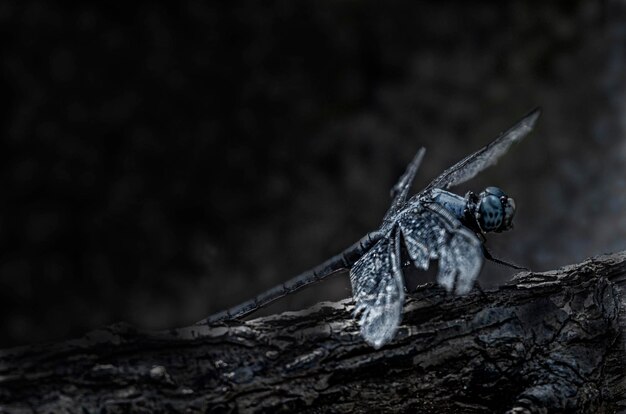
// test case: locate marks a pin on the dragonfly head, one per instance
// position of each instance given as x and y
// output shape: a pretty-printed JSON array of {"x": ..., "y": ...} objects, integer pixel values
[{"x": 494, "y": 210}]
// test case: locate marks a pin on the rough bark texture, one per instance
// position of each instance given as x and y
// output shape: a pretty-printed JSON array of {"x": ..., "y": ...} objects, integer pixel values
[{"x": 546, "y": 342}]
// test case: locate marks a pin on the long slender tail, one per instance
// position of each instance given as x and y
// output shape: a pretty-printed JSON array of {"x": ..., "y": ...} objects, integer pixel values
[{"x": 341, "y": 261}]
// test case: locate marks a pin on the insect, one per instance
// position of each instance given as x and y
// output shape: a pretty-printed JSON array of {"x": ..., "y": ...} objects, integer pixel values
[{"x": 434, "y": 224}]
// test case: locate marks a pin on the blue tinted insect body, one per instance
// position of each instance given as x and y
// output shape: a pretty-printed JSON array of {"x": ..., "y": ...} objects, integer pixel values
[{"x": 434, "y": 224}]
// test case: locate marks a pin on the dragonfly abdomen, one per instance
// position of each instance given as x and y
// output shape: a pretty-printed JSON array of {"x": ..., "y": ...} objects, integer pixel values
[{"x": 341, "y": 261}]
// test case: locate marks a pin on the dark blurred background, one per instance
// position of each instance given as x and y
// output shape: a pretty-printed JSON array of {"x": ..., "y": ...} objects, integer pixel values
[{"x": 159, "y": 163}]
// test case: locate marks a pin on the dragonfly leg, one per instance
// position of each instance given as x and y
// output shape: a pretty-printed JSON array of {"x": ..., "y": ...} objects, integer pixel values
[{"x": 490, "y": 257}]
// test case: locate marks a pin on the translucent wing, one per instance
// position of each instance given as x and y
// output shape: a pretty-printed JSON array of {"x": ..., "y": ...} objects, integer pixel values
[
  {"x": 378, "y": 290},
  {"x": 432, "y": 232},
  {"x": 400, "y": 191},
  {"x": 471, "y": 165}
]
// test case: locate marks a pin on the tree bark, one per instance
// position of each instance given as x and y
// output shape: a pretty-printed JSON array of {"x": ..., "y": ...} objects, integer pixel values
[{"x": 545, "y": 342}]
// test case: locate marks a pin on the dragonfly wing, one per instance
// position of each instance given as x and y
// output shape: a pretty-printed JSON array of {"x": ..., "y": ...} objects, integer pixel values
[
  {"x": 432, "y": 232},
  {"x": 378, "y": 290},
  {"x": 400, "y": 191},
  {"x": 471, "y": 165}
]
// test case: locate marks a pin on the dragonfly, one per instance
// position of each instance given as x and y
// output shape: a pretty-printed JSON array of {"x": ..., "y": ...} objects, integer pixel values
[{"x": 434, "y": 224}]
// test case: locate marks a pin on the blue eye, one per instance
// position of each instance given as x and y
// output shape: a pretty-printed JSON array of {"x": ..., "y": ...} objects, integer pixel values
[
  {"x": 495, "y": 210},
  {"x": 491, "y": 212},
  {"x": 496, "y": 191}
]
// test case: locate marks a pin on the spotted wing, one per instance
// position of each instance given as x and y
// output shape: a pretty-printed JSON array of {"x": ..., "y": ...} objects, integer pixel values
[
  {"x": 378, "y": 290},
  {"x": 471, "y": 165},
  {"x": 432, "y": 232}
]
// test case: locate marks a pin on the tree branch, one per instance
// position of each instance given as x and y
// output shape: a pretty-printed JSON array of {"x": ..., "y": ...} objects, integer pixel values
[{"x": 546, "y": 342}]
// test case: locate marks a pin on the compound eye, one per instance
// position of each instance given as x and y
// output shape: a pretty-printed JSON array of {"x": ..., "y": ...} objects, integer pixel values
[
  {"x": 496, "y": 191},
  {"x": 511, "y": 204},
  {"x": 491, "y": 213},
  {"x": 509, "y": 213}
]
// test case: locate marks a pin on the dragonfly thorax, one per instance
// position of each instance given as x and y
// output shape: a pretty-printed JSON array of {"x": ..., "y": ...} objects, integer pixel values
[{"x": 492, "y": 210}]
